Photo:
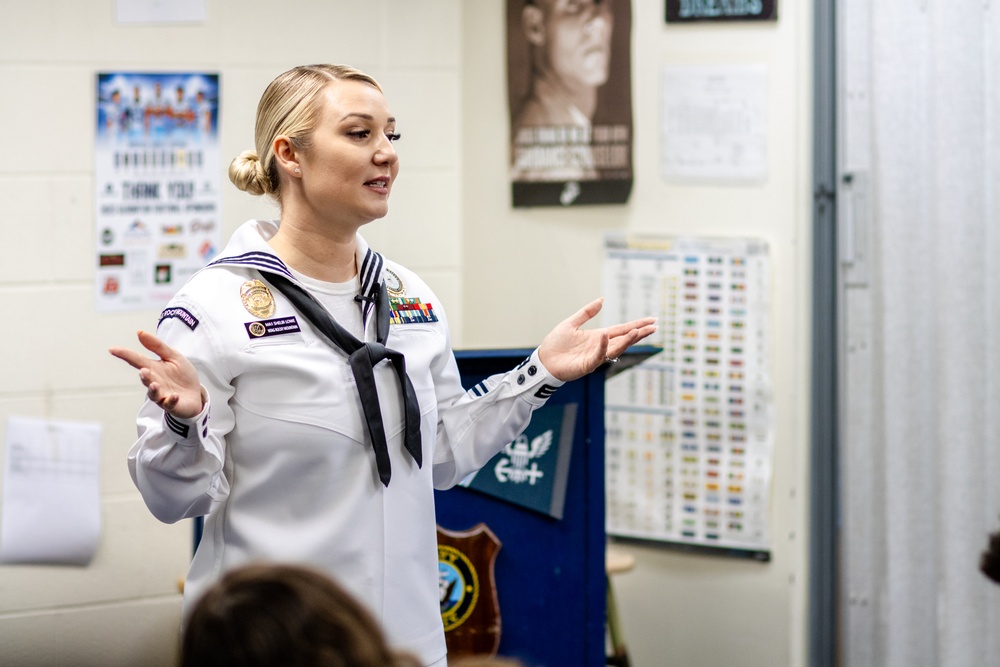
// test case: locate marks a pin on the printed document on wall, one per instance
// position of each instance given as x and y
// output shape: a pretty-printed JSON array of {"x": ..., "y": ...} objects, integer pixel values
[
  {"x": 714, "y": 123},
  {"x": 689, "y": 431},
  {"x": 51, "y": 492}
]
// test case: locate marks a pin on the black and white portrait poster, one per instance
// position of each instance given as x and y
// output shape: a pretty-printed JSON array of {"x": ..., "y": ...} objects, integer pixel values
[
  {"x": 570, "y": 98},
  {"x": 158, "y": 184}
]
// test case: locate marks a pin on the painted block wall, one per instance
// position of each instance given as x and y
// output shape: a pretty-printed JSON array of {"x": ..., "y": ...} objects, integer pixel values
[
  {"x": 124, "y": 608},
  {"x": 542, "y": 264},
  {"x": 442, "y": 65}
]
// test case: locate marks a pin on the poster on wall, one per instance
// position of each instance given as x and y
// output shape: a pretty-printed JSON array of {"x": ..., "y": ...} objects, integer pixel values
[
  {"x": 683, "y": 11},
  {"x": 689, "y": 431},
  {"x": 570, "y": 101},
  {"x": 158, "y": 184}
]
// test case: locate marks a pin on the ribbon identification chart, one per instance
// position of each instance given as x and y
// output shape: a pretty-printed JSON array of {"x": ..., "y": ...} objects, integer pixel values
[{"x": 689, "y": 432}]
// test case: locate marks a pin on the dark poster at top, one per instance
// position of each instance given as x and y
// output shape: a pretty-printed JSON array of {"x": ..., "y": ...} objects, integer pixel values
[
  {"x": 570, "y": 97},
  {"x": 680, "y": 11}
]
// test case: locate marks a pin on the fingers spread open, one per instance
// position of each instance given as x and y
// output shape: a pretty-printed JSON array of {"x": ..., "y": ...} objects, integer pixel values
[
  {"x": 619, "y": 344},
  {"x": 154, "y": 344},
  {"x": 626, "y": 327},
  {"x": 587, "y": 313},
  {"x": 133, "y": 359}
]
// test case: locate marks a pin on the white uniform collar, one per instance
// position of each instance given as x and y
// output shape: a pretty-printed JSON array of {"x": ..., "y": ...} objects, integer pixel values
[{"x": 248, "y": 248}]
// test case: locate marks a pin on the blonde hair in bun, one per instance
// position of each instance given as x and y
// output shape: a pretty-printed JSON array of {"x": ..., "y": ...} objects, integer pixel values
[
  {"x": 246, "y": 173},
  {"x": 290, "y": 106}
]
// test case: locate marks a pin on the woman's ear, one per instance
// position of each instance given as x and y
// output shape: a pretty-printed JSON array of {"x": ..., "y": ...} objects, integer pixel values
[
  {"x": 286, "y": 156},
  {"x": 533, "y": 23}
]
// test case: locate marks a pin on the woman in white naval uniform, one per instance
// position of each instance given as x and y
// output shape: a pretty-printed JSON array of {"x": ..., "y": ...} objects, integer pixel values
[{"x": 307, "y": 447}]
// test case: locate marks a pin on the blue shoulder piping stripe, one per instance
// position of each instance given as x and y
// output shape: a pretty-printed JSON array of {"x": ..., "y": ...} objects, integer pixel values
[
  {"x": 257, "y": 260},
  {"x": 371, "y": 268}
]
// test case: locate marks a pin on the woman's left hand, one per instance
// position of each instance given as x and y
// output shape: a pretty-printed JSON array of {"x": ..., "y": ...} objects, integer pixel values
[{"x": 569, "y": 352}]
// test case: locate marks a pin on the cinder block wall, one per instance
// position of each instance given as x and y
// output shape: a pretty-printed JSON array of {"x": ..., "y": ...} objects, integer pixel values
[
  {"x": 506, "y": 276},
  {"x": 124, "y": 608}
]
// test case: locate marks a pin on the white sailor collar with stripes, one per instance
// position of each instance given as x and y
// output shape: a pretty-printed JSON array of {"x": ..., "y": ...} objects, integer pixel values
[{"x": 248, "y": 248}]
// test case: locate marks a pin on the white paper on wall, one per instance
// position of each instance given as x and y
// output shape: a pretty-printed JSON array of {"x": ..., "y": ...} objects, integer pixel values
[
  {"x": 51, "y": 492},
  {"x": 714, "y": 123},
  {"x": 161, "y": 11}
]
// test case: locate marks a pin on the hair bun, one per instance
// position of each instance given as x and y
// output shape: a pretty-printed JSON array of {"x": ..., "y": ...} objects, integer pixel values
[{"x": 247, "y": 173}]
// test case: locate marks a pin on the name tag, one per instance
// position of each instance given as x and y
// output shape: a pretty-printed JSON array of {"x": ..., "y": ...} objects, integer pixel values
[{"x": 276, "y": 327}]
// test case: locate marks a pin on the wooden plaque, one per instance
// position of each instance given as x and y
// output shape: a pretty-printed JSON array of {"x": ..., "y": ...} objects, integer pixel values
[{"x": 470, "y": 608}]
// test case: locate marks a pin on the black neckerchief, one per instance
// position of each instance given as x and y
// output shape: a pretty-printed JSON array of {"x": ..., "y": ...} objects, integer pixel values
[{"x": 363, "y": 357}]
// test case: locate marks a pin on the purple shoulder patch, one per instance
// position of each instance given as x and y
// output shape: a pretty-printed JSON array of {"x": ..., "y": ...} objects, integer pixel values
[{"x": 181, "y": 314}]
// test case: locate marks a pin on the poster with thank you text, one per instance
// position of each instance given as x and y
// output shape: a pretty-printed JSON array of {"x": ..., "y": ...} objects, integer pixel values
[
  {"x": 570, "y": 99},
  {"x": 158, "y": 185}
]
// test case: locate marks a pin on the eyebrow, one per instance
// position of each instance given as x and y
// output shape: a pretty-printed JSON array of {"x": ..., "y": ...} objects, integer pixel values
[{"x": 366, "y": 116}]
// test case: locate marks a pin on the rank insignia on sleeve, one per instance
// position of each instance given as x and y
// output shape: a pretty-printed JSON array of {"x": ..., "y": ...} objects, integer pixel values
[{"x": 410, "y": 311}]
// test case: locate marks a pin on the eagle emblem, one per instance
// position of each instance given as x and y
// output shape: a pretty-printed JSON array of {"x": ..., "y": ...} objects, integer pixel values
[{"x": 520, "y": 466}]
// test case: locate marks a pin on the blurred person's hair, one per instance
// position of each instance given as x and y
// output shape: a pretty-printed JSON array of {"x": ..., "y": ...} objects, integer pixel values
[{"x": 270, "y": 615}]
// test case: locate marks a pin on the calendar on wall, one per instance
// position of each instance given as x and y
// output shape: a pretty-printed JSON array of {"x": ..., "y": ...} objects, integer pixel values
[{"x": 689, "y": 430}]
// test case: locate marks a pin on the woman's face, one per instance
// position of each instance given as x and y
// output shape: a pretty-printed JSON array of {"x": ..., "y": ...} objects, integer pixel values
[{"x": 350, "y": 166}]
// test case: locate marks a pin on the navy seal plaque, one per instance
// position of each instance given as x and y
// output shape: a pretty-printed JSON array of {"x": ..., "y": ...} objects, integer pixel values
[{"x": 470, "y": 608}]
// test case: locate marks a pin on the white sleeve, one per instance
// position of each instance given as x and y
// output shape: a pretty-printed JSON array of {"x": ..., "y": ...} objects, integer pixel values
[
  {"x": 178, "y": 464},
  {"x": 474, "y": 425}
]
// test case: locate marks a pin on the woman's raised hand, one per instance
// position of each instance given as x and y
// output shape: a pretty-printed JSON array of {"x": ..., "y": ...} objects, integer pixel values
[
  {"x": 171, "y": 381},
  {"x": 569, "y": 352}
]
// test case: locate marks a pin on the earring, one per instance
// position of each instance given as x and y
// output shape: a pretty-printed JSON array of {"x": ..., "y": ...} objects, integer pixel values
[{"x": 297, "y": 170}]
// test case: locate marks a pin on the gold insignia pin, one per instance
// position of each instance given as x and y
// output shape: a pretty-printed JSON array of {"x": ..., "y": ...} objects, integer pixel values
[
  {"x": 393, "y": 285},
  {"x": 257, "y": 298}
]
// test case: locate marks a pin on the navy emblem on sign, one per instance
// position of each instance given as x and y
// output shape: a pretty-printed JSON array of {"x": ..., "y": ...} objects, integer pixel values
[
  {"x": 516, "y": 468},
  {"x": 275, "y": 327},
  {"x": 532, "y": 471},
  {"x": 458, "y": 586},
  {"x": 181, "y": 314}
]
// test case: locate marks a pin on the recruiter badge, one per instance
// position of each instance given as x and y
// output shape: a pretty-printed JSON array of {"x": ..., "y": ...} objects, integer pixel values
[{"x": 257, "y": 299}]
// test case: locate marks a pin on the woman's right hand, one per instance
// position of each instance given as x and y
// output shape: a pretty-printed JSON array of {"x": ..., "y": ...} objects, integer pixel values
[{"x": 171, "y": 381}]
